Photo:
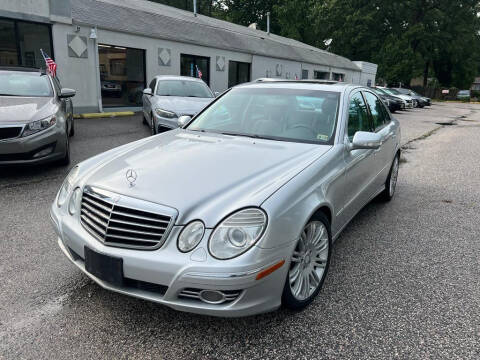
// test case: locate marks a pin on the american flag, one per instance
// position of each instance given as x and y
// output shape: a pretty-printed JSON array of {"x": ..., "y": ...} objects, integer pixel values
[
  {"x": 199, "y": 73},
  {"x": 51, "y": 65}
]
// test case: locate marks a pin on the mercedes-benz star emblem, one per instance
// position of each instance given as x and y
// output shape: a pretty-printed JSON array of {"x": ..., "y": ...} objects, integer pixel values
[{"x": 131, "y": 176}]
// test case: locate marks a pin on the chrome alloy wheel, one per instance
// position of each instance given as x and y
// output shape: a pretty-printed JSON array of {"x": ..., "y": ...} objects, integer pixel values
[
  {"x": 393, "y": 177},
  {"x": 309, "y": 260}
]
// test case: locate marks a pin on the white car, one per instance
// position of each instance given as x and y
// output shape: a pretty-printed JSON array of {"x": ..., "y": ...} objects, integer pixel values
[{"x": 410, "y": 102}]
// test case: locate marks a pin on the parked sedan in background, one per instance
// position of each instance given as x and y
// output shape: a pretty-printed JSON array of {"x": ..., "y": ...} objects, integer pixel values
[
  {"x": 235, "y": 213},
  {"x": 421, "y": 101},
  {"x": 392, "y": 102},
  {"x": 426, "y": 100},
  {"x": 36, "y": 117},
  {"x": 410, "y": 102},
  {"x": 169, "y": 97},
  {"x": 463, "y": 95}
]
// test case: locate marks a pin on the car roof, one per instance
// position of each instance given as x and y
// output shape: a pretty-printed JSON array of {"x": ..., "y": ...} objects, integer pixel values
[
  {"x": 177, "y": 77},
  {"x": 302, "y": 85},
  {"x": 22, "y": 69}
]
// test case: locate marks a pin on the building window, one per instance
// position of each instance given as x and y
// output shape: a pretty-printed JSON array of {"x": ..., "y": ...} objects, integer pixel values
[
  {"x": 321, "y": 75},
  {"x": 21, "y": 41},
  {"x": 304, "y": 74},
  {"x": 195, "y": 66},
  {"x": 338, "y": 77},
  {"x": 238, "y": 72},
  {"x": 122, "y": 75}
]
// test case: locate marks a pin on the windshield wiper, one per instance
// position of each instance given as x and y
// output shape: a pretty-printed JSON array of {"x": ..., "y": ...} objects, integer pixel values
[{"x": 10, "y": 95}]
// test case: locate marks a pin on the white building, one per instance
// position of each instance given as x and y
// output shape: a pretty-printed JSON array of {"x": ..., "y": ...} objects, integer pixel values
[{"x": 109, "y": 50}]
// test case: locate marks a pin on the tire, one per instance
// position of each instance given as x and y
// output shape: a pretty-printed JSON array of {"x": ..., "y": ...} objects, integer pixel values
[
  {"x": 72, "y": 128},
  {"x": 390, "y": 185},
  {"x": 298, "y": 294},
  {"x": 66, "y": 159},
  {"x": 153, "y": 130}
]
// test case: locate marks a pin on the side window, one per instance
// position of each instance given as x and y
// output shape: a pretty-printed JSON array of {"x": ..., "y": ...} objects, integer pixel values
[
  {"x": 357, "y": 116},
  {"x": 376, "y": 109},
  {"x": 152, "y": 84}
]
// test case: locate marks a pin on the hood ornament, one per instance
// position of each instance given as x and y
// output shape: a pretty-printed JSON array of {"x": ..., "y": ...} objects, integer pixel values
[{"x": 131, "y": 176}]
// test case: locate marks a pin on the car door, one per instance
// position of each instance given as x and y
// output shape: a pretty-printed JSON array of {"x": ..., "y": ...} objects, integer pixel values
[
  {"x": 383, "y": 125},
  {"x": 147, "y": 101},
  {"x": 359, "y": 163}
]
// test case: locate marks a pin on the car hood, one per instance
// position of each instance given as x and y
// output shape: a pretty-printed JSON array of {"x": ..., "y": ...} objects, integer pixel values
[
  {"x": 22, "y": 110},
  {"x": 203, "y": 175},
  {"x": 404, "y": 97},
  {"x": 181, "y": 105}
]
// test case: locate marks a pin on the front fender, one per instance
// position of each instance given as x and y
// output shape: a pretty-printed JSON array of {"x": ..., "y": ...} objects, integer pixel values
[{"x": 292, "y": 206}]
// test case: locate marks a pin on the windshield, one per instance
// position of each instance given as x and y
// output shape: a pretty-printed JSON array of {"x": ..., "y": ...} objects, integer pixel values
[
  {"x": 380, "y": 91},
  {"x": 183, "y": 88},
  {"x": 273, "y": 113},
  {"x": 24, "y": 84},
  {"x": 464, "y": 92},
  {"x": 403, "y": 91},
  {"x": 392, "y": 92}
]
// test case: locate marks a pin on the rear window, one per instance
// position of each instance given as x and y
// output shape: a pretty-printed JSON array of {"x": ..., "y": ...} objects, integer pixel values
[{"x": 25, "y": 84}]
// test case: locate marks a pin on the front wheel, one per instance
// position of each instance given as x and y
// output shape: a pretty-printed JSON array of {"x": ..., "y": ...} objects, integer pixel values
[
  {"x": 391, "y": 183},
  {"x": 153, "y": 130},
  {"x": 309, "y": 264},
  {"x": 66, "y": 158}
]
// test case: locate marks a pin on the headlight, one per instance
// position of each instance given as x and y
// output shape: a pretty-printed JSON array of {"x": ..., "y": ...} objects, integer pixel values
[
  {"x": 237, "y": 233},
  {"x": 165, "y": 113},
  {"x": 72, "y": 204},
  {"x": 67, "y": 186},
  {"x": 190, "y": 236},
  {"x": 39, "y": 125}
]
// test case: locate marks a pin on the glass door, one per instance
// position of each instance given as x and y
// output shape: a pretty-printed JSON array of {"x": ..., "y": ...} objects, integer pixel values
[{"x": 195, "y": 66}]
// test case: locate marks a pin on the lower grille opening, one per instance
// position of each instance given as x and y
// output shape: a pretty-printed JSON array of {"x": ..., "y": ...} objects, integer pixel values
[
  {"x": 132, "y": 283},
  {"x": 28, "y": 155}
]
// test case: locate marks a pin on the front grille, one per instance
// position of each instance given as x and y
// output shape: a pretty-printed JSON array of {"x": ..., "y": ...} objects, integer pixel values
[
  {"x": 10, "y": 132},
  {"x": 122, "y": 226}
]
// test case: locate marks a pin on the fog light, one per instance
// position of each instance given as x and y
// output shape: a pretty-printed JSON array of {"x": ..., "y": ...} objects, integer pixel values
[
  {"x": 212, "y": 296},
  {"x": 43, "y": 152}
]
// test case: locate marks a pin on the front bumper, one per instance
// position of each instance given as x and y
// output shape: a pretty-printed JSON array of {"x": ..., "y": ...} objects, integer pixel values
[
  {"x": 165, "y": 124},
  {"x": 24, "y": 150},
  {"x": 165, "y": 273}
]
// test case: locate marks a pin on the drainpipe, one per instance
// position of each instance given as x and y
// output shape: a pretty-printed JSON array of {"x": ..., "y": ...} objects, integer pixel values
[
  {"x": 194, "y": 7},
  {"x": 97, "y": 67},
  {"x": 268, "y": 23}
]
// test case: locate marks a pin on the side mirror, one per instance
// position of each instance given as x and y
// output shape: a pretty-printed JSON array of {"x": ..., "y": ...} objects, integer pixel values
[
  {"x": 182, "y": 120},
  {"x": 147, "y": 91},
  {"x": 66, "y": 93},
  {"x": 366, "y": 140}
]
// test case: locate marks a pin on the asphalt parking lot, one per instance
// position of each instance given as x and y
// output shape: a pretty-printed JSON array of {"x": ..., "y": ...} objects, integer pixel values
[{"x": 403, "y": 282}]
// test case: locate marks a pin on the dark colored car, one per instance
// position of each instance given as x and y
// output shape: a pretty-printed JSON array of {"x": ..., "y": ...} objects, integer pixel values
[
  {"x": 393, "y": 103},
  {"x": 421, "y": 100},
  {"x": 36, "y": 117}
]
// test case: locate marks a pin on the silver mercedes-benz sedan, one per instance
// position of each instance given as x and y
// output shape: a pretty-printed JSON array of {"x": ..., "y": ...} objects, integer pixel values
[
  {"x": 36, "y": 117},
  {"x": 235, "y": 212},
  {"x": 169, "y": 97}
]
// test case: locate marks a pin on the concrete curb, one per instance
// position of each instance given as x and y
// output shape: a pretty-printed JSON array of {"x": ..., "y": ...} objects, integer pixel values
[{"x": 103, "y": 115}]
